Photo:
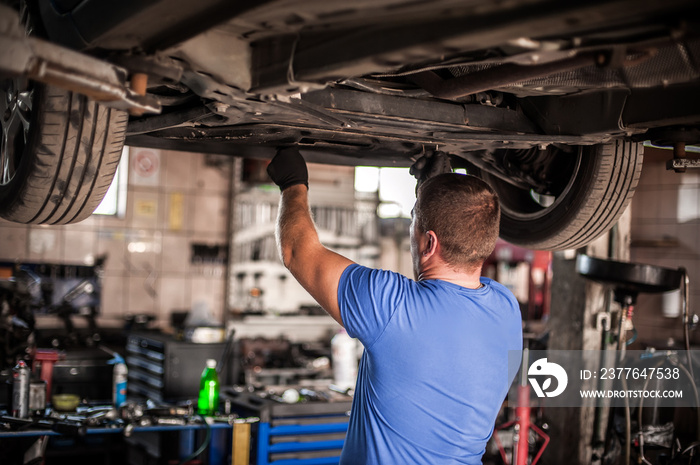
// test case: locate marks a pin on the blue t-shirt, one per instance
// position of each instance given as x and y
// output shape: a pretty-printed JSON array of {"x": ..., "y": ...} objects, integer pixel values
[{"x": 434, "y": 372}]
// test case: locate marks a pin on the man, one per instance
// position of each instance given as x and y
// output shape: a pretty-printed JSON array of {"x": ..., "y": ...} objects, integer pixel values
[{"x": 435, "y": 367}]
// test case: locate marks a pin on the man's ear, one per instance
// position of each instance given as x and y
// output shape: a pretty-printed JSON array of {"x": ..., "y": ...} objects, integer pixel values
[{"x": 432, "y": 244}]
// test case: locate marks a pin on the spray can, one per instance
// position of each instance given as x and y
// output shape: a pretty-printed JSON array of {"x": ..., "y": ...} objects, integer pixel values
[
  {"x": 37, "y": 397},
  {"x": 119, "y": 378},
  {"x": 208, "y": 401},
  {"x": 20, "y": 390},
  {"x": 344, "y": 354}
]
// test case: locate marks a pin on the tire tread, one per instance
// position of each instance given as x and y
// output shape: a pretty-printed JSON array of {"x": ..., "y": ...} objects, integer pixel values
[
  {"x": 601, "y": 197},
  {"x": 69, "y": 162}
]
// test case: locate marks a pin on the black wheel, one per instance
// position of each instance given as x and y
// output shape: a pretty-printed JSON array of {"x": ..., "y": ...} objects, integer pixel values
[
  {"x": 59, "y": 150},
  {"x": 59, "y": 153},
  {"x": 592, "y": 190}
]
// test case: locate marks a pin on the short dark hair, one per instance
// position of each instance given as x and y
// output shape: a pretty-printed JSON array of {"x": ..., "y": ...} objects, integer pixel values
[{"x": 464, "y": 213}]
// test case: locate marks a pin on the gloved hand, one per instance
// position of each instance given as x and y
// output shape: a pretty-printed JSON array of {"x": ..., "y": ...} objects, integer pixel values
[
  {"x": 288, "y": 168},
  {"x": 429, "y": 165}
]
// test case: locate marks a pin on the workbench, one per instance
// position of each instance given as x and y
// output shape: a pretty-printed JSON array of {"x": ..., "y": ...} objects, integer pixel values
[
  {"x": 188, "y": 438},
  {"x": 261, "y": 428}
]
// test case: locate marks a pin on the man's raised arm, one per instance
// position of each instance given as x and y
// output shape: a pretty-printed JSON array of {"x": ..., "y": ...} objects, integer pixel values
[{"x": 316, "y": 268}]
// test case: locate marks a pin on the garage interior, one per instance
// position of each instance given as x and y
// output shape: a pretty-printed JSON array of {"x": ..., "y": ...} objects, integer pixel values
[{"x": 186, "y": 269}]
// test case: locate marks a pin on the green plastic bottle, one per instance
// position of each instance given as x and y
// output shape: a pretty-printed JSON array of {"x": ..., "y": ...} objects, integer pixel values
[{"x": 208, "y": 401}]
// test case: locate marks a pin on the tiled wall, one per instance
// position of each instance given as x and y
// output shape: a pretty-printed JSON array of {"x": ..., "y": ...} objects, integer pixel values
[
  {"x": 666, "y": 232},
  {"x": 174, "y": 199}
]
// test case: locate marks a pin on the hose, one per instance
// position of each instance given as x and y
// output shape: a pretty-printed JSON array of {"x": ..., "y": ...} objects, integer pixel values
[
  {"x": 205, "y": 444},
  {"x": 686, "y": 322},
  {"x": 628, "y": 426},
  {"x": 686, "y": 337},
  {"x": 641, "y": 404},
  {"x": 641, "y": 401},
  {"x": 695, "y": 393}
]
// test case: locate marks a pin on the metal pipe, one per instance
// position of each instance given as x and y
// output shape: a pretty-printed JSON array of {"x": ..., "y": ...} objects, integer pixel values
[
  {"x": 499, "y": 76},
  {"x": 522, "y": 414}
]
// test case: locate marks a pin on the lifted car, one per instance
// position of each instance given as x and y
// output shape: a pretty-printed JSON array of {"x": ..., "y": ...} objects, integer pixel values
[{"x": 548, "y": 101}]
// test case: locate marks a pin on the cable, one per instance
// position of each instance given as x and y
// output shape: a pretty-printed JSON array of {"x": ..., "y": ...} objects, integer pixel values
[
  {"x": 686, "y": 322},
  {"x": 686, "y": 336},
  {"x": 628, "y": 425},
  {"x": 695, "y": 392},
  {"x": 641, "y": 404},
  {"x": 641, "y": 401},
  {"x": 690, "y": 448},
  {"x": 628, "y": 420},
  {"x": 205, "y": 444},
  {"x": 692, "y": 384}
]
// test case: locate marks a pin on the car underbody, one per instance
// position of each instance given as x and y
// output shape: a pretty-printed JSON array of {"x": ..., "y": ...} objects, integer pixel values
[{"x": 514, "y": 91}]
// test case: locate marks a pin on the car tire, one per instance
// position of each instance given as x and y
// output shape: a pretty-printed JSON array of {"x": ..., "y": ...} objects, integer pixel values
[
  {"x": 60, "y": 151},
  {"x": 600, "y": 186}
]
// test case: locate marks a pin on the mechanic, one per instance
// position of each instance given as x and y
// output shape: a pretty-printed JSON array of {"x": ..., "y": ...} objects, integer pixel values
[{"x": 435, "y": 368}]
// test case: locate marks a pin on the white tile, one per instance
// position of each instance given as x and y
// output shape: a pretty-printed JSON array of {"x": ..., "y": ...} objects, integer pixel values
[
  {"x": 687, "y": 206},
  {"x": 211, "y": 213},
  {"x": 178, "y": 169},
  {"x": 666, "y": 199},
  {"x": 690, "y": 177},
  {"x": 207, "y": 237},
  {"x": 174, "y": 295},
  {"x": 688, "y": 236},
  {"x": 13, "y": 242},
  {"x": 213, "y": 172},
  {"x": 645, "y": 231},
  {"x": 175, "y": 255},
  {"x": 177, "y": 211},
  {"x": 111, "y": 221},
  {"x": 114, "y": 292},
  {"x": 143, "y": 251},
  {"x": 640, "y": 205},
  {"x": 112, "y": 243},
  {"x": 79, "y": 246},
  {"x": 88, "y": 224},
  {"x": 211, "y": 292},
  {"x": 142, "y": 294},
  {"x": 144, "y": 210},
  {"x": 45, "y": 244}
]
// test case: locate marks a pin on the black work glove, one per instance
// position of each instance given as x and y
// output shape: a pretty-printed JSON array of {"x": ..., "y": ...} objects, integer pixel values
[
  {"x": 429, "y": 165},
  {"x": 288, "y": 168}
]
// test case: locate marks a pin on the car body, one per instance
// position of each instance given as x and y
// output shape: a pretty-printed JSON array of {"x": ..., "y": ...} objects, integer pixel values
[{"x": 548, "y": 101}]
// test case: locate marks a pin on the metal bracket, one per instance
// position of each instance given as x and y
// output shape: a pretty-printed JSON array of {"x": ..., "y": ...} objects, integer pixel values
[
  {"x": 682, "y": 164},
  {"x": 52, "y": 64},
  {"x": 602, "y": 321}
]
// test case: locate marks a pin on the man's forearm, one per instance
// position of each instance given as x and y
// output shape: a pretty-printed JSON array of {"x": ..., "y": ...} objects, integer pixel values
[{"x": 295, "y": 228}]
